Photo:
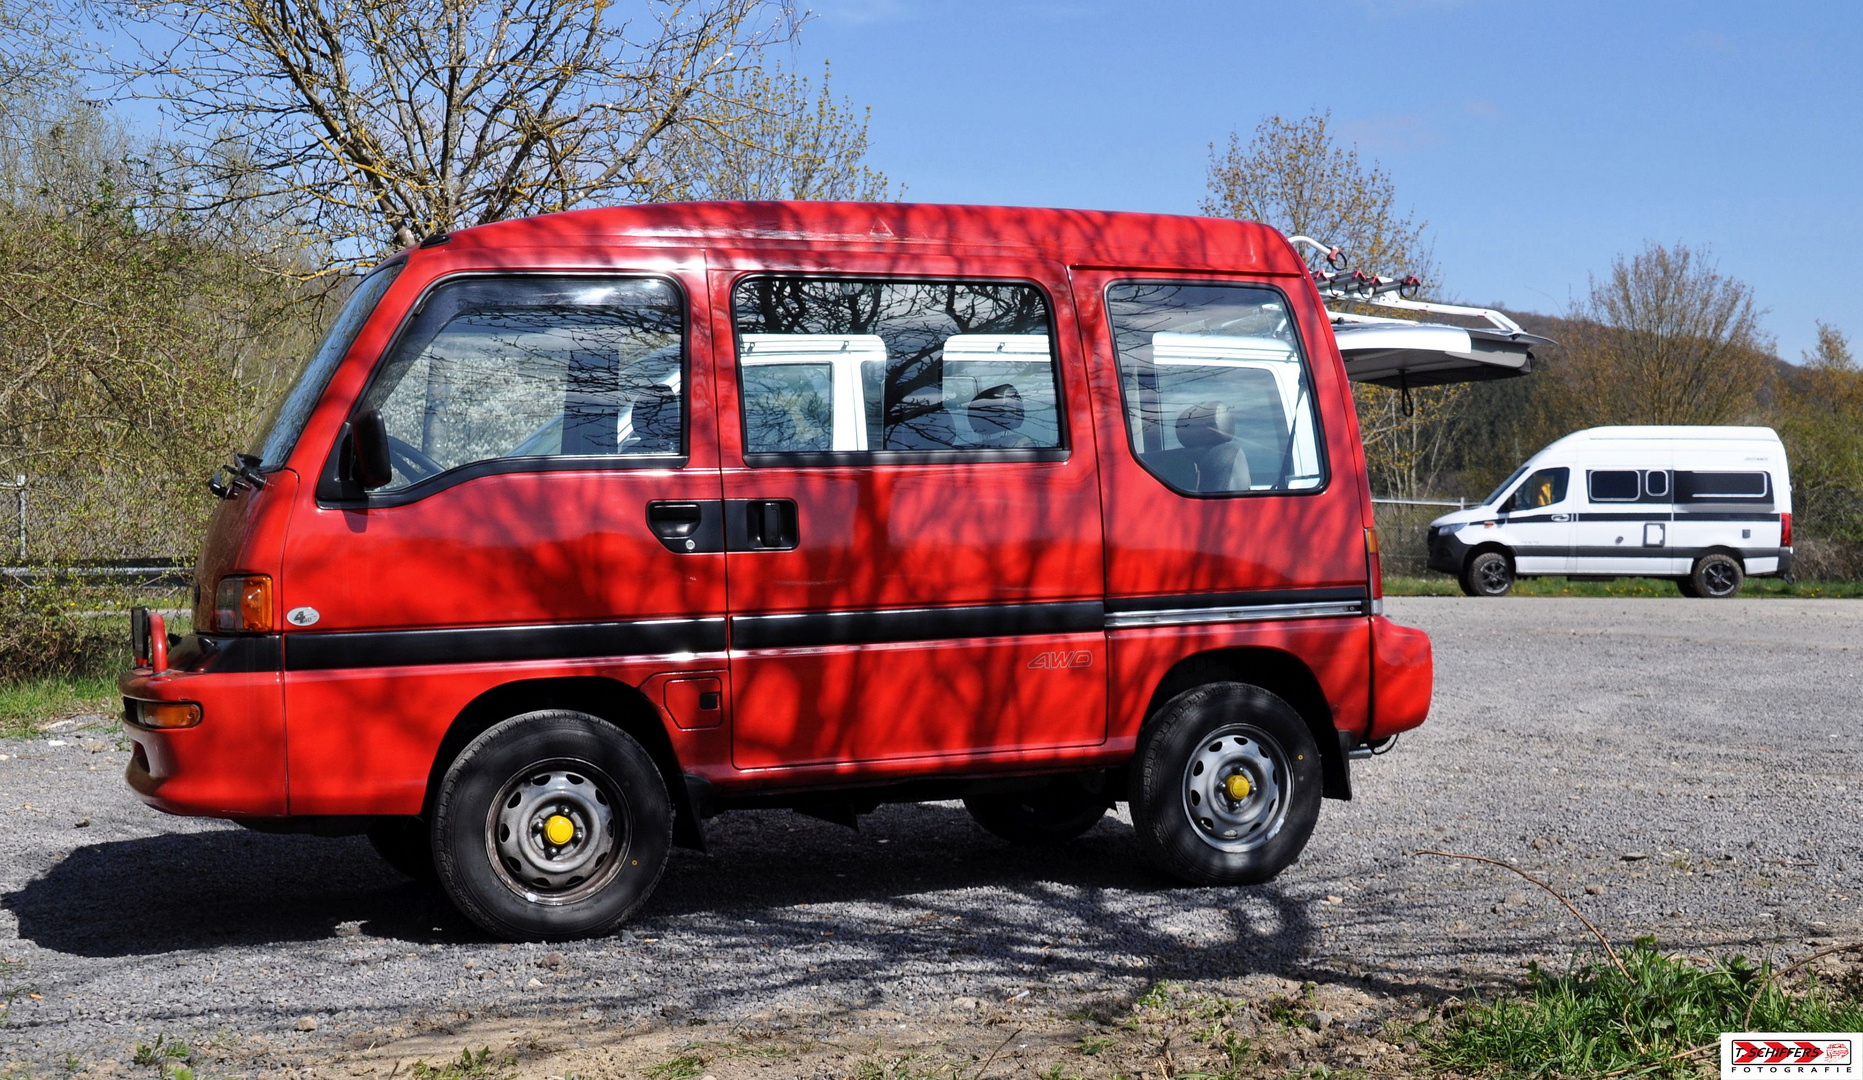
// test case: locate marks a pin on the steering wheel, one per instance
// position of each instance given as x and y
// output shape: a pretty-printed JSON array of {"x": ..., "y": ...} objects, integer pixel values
[{"x": 412, "y": 461}]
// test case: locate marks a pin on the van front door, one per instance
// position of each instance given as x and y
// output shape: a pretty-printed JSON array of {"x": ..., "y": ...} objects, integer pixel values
[
  {"x": 912, "y": 517},
  {"x": 1538, "y": 520},
  {"x": 550, "y": 437}
]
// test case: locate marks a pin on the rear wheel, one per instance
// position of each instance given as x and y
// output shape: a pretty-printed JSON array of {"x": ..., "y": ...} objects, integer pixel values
[
  {"x": 552, "y": 825},
  {"x": 1488, "y": 573},
  {"x": 405, "y": 844},
  {"x": 1061, "y": 810},
  {"x": 1226, "y": 788},
  {"x": 1717, "y": 576}
]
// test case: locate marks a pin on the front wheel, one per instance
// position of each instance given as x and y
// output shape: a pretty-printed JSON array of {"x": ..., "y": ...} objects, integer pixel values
[
  {"x": 1717, "y": 576},
  {"x": 1489, "y": 573},
  {"x": 1059, "y": 811},
  {"x": 405, "y": 844},
  {"x": 552, "y": 825},
  {"x": 1226, "y": 788}
]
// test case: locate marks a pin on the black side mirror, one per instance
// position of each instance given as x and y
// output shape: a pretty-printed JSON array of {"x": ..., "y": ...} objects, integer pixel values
[{"x": 368, "y": 438}]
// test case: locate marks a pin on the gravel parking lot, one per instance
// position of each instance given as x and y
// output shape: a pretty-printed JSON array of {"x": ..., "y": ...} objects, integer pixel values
[{"x": 1683, "y": 768}]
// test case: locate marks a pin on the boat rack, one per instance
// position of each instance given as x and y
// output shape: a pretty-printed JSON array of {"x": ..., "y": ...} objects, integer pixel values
[{"x": 1403, "y": 353}]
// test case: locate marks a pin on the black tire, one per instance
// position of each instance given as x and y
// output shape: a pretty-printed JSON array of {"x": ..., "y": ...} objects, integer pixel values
[
  {"x": 1686, "y": 586},
  {"x": 1717, "y": 576},
  {"x": 521, "y": 783},
  {"x": 1061, "y": 810},
  {"x": 405, "y": 844},
  {"x": 1190, "y": 822},
  {"x": 1487, "y": 573}
]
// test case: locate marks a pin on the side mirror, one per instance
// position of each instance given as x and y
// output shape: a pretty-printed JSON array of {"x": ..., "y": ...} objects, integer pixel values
[{"x": 368, "y": 438}]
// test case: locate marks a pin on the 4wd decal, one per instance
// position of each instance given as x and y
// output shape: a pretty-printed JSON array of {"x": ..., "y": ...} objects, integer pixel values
[{"x": 1061, "y": 659}]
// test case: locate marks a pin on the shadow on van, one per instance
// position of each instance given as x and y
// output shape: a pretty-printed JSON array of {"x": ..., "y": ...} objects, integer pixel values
[{"x": 977, "y": 895}]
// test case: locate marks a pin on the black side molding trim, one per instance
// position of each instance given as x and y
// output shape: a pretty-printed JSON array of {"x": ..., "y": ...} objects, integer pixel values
[
  {"x": 228, "y": 653},
  {"x": 807, "y": 629},
  {"x": 400, "y": 648}
]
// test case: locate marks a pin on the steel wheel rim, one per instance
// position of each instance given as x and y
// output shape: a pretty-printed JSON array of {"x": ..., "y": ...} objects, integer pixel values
[
  {"x": 1224, "y": 822},
  {"x": 1718, "y": 576},
  {"x": 519, "y": 824},
  {"x": 1493, "y": 574}
]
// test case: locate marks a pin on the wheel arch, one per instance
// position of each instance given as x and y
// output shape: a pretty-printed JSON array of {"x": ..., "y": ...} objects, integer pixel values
[
  {"x": 1491, "y": 545},
  {"x": 609, "y": 700},
  {"x": 1282, "y": 674}
]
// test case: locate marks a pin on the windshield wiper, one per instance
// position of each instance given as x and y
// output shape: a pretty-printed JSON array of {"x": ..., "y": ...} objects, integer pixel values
[{"x": 242, "y": 472}]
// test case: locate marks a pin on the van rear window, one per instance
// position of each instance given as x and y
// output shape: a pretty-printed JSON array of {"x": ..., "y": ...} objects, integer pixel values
[
  {"x": 852, "y": 366},
  {"x": 1217, "y": 397}
]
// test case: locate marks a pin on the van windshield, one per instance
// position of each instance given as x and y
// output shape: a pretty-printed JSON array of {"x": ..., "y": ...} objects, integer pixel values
[
  {"x": 1495, "y": 495},
  {"x": 279, "y": 432}
]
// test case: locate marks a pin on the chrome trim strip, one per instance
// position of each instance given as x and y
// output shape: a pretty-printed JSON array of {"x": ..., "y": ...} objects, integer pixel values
[{"x": 1253, "y": 613}]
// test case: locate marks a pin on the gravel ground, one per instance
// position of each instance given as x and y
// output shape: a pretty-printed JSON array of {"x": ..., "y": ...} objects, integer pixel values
[{"x": 1682, "y": 768}]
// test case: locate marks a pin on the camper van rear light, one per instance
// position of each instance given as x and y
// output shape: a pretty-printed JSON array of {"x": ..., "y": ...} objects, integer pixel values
[
  {"x": 243, "y": 604},
  {"x": 1785, "y": 529}
]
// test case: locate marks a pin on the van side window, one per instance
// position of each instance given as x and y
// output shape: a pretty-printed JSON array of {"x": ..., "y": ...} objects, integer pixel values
[
  {"x": 1718, "y": 486},
  {"x": 1217, "y": 397},
  {"x": 534, "y": 367},
  {"x": 1614, "y": 485},
  {"x": 1546, "y": 487},
  {"x": 861, "y": 365}
]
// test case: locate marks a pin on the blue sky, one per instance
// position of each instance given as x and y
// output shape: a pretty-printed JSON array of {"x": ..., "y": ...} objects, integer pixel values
[{"x": 1537, "y": 140}]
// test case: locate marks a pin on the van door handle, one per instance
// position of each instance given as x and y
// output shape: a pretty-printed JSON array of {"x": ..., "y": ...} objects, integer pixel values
[
  {"x": 688, "y": 527},
  {"x": 762, "y": 525}
]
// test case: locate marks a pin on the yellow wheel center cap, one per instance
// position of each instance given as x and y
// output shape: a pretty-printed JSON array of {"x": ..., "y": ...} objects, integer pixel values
[
  {"x": 559, "y": 830},
  {"x": 1237, "y": 786}
]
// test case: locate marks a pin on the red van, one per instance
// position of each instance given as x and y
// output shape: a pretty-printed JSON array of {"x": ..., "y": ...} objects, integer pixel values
[{"x": 581, "y": 529}]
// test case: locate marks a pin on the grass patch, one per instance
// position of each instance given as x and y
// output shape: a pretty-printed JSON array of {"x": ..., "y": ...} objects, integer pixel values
[
  {"x": 684, "y": 1067},
  {"x": 470, "y": 1066},
  {"x": 26, "y": 706},
  {"x": 1443, "y": 585},
  {"x": 1665, "y": 1019}
]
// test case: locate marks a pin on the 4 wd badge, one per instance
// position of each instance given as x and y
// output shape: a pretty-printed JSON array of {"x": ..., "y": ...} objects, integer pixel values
[
  {"x": 302, "y": 616},
  {"x": 1083, "y": 658}
]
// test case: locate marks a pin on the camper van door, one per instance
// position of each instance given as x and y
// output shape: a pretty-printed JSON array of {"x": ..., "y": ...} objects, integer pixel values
[{"x": 1629, "y": 502}]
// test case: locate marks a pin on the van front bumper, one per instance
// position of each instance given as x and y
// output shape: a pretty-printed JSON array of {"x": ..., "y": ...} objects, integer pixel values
[
  {"x": 230, "y": 764},
  {"x": 1447, "y": 550}
]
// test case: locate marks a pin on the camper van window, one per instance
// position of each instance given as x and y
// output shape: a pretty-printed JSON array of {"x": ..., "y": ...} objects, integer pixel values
[
  {"x": 1614, "y": 485},
  {"x": 861, "y": 365},
  {"x": 1703, "y": 486},
  {"x": 1656, "y": 483},
  {"x": 1217, "y": 397},
  {"x": 530, "y": 368},
  {"x": 1544, "y": 488},
  {"x": 1494, "y": 497}
]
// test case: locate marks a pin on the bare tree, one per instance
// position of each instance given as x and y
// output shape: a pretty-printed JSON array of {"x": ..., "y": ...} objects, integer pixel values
[
  {"x": 366, "y": 124},
  {"x": 1293, "y": 176},
  {"x": 1664, "y": 338},
  {"x": 787, "y": 141}
]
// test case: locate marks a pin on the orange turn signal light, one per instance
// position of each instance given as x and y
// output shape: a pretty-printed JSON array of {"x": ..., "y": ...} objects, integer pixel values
[
  {"x": 1371, "y": 540},
  {"x": 167, "y": 714},
  {"x": 243, "y": 604}
]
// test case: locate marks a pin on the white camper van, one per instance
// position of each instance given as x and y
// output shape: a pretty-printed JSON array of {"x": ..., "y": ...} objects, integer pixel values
[{"x": 1703, "y": 505}]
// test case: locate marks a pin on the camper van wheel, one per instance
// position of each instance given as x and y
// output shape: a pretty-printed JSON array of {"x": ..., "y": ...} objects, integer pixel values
[
  {"x": 405, "y": 844},
  {"x": 1686, "y": 586},
  {"x": 1488, "y": 573},
  {"x": 1057, "y": 812},
  {"x": 551, "y": 825},
  {"x": 1227, "y": 785},
  {"x": 1717, "y": 575}
]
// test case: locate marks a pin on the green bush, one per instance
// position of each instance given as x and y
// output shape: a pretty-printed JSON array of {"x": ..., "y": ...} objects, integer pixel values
[{"x": 45, "y": 633}]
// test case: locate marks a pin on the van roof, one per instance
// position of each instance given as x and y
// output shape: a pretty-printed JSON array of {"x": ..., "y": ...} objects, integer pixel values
[
  {"x": 1669, "y": 433},
  {"x": 1074, "y": 237}
]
